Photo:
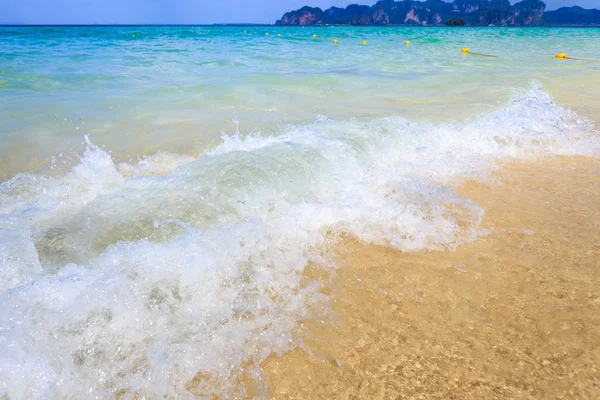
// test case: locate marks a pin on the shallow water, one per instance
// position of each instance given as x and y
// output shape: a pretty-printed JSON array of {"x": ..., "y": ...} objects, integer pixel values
[{"x": 142, "y": 249}]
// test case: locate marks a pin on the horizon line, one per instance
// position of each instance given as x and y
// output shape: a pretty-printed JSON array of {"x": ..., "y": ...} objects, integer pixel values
[
  {"x": 144, "y": 24},
  {"x": 8, "y": 25}
]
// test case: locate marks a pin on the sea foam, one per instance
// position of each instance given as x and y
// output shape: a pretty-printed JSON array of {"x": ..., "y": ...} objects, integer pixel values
[{"x": 166, "y": 277}]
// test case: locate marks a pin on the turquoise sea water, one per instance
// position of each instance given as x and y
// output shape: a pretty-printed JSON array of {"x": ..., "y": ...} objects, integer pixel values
[
  {"x": 181, "y": 87},
  {"x": 163, "y": 188}
]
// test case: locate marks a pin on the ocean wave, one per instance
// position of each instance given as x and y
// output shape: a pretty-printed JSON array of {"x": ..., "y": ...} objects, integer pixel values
[{"x": 166, "y": 276}]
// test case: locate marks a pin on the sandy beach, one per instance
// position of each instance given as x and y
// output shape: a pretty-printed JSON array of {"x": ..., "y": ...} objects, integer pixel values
[{"x": 513, "y": 315}]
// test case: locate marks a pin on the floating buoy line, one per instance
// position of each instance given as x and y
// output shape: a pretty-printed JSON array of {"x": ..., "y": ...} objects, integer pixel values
[
  {"x": 464, "y": 50},
  {"x": 566, "y": 57}
]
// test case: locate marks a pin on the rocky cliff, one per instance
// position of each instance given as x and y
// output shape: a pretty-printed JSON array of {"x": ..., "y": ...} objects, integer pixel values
[{"x": 437, "y": 12}]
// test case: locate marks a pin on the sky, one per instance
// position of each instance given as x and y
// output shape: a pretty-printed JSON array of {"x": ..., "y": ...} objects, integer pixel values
[{"x": 175, "y": 11}]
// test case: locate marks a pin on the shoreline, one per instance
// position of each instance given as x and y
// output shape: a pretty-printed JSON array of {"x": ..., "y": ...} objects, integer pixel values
[{"x": 514, "y": 314}]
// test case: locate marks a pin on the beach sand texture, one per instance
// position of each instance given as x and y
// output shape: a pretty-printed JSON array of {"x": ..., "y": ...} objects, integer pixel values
[{"x": 515, "y": 314}]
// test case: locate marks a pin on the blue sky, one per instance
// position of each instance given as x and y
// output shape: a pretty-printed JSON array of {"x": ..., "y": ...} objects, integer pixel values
[{"x": 172, "y": 11}]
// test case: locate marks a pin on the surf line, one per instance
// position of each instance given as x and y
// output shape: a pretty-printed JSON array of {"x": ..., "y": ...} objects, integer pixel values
[{"x": 466, "y": 51}]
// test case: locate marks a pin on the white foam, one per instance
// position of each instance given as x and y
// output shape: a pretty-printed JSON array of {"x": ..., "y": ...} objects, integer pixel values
[{"x": 134, "y": 279}]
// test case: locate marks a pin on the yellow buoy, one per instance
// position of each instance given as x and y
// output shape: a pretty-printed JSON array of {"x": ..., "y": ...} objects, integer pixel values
[
  {"x": 465, "y": 50},
  {"x": 364, "y": 42},
  {"x": 407, "y": 42},
  {"x": 314, "y": 36},
  {"x": 279, "y": 35},
  {"x": 335, "y": 41},
  {"x": 245, "y": 32},
  {"x": 266, "y": 33},
  {"x": 561, "y": 55}
]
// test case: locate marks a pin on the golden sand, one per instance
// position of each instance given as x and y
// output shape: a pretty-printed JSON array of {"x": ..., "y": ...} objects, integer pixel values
[{"x": 514, "y": 315}]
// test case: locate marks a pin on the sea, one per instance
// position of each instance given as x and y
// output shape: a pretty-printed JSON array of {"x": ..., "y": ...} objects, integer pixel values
[{"x": 163, "y": 189}]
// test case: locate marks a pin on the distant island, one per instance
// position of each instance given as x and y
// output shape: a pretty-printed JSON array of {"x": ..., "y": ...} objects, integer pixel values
[{"x": 438, "y": 12}]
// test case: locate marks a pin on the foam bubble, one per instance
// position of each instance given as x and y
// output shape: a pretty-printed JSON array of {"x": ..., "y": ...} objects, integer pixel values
[{"x": 168, "y": 276}]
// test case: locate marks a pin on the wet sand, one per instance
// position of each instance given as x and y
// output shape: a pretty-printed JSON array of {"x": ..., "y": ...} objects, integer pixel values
[{"x": 513, "y": 315}]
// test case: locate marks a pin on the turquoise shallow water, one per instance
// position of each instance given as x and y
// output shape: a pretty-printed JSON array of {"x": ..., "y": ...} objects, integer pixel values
[
  {"x": 163, "y": 188},
  {"x": 178, "y": 88}
]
